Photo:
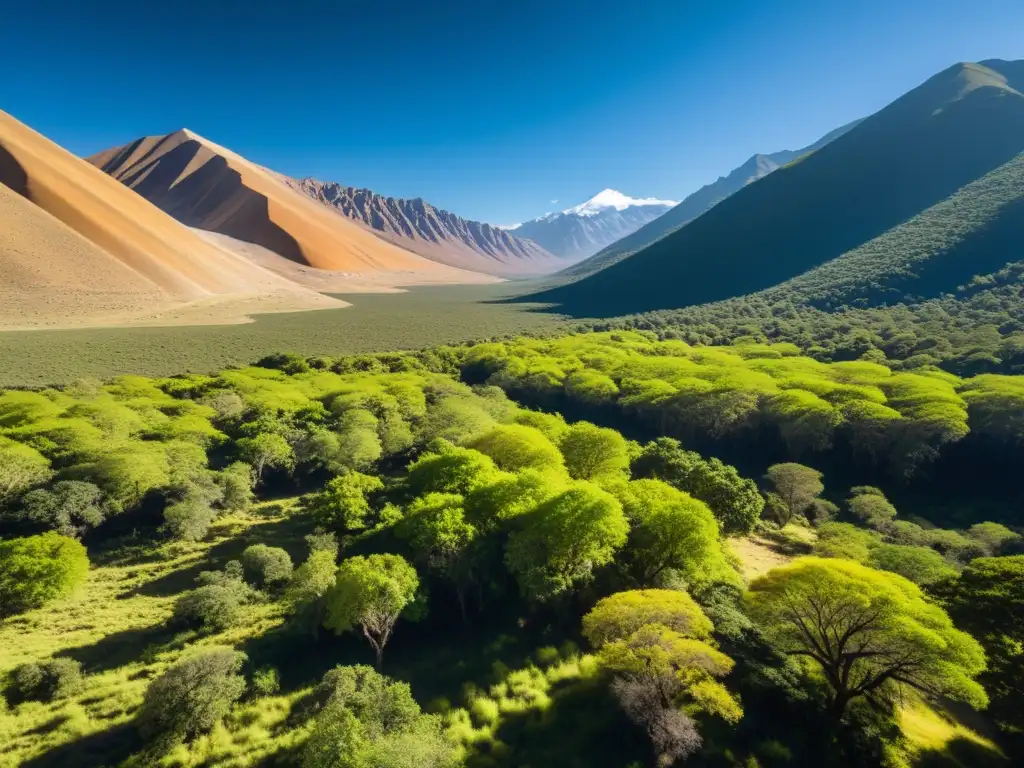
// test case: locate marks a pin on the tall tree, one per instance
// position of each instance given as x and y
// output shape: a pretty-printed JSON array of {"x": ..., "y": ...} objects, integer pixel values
[
  {"x": 796, "y": 485},
  {"x": 371, "y": 593},
  {"x": 866, "y": 632}
]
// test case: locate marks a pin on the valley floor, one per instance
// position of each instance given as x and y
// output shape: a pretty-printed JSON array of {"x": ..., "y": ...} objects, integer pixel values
[{"x": 422, "y": 317}]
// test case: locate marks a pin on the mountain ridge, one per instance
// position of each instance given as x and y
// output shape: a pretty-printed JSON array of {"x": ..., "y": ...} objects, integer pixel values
[
  {"x": 951, "y": 130},
  {"x": 435, "y": 233}
]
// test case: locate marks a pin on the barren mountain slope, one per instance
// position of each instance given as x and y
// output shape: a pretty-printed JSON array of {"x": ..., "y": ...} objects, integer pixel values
[
  {"x": 439, "y": 235},
  {"x": 206, "y": 186},
  {"x": 77, "y": 247}
]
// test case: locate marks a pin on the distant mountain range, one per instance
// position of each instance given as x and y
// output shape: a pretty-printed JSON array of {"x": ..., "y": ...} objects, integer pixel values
[
  {"x": 585, "y": 229},
  {"x": 758, "y": 166},
  {"x": 960, "y": 127},
  {"x": 434, "y": 233}
]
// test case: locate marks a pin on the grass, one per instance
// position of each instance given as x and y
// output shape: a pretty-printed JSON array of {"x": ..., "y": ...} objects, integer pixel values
[
  {"x": 937, "y": 739},
  {"x": 422, "y": 317},
  {"x": 759, "y": 553}
]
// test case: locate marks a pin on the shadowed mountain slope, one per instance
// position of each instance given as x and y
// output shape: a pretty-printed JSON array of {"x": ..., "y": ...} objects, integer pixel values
[
  {"x": 960, "y": 125},
  {"x": 694, "y": 205}
]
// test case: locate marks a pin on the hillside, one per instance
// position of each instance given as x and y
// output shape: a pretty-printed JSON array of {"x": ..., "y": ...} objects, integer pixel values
[
  {"x": 77, "y": 248},
  {"x": 585, "y": 229},
  {"x": 758, "y": 166},
  {"x": 949, "y": 132},
  {"x": 431, "y": 232},
  {"x": 206, "y": 186}
]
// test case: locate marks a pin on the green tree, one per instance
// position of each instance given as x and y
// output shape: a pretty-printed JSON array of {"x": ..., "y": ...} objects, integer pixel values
[
  {"x": 344, "y": 503},
  {"x": 669, "y": 529},
  {"x": 865, "y": 632},
  {"x": 921, "y": 565},
  {"x": 871, "y": 508},
  {"x": 593, "y": 452},
  {"x": 266, "y": 451},
  {"x": 236, "y": 484},
  {"x": 436, "y": 527},
  {"x": 21, "y": 467},
  {"x": 515, "y": 447},
  {"x": 845, "y": 540},
  {"x": 37, "y": 569},
  {"x": 370, "y": 593},
  {"x": 988, "y": 601},
  {"x": 306, "y": 593},
  {"x": 266, "y": 567},
  {"x": 994, "y": 537},
  {"x": 70, "y": 507},
  {"x": 796, "y": 485},
  {"x": 447, "y": 468},
  {"x": 565, "y": 539},
  {"x": 370, "y": 720},
  {"x": 734, "y": 500},
  {"x": 193, "y": 696},
  {"x": 620, "y": 615}
]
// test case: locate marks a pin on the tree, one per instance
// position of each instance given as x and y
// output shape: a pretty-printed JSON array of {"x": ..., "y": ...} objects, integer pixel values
[
  {"x": 672, "y": 733},
  {"x": 512, "y": 495},
  {"x": 866, "y": 632},
  {"x": 871, "y": 508},
  {"x": 994, "y": 537},
  {"x": 620, "y": 615},
  {"x": 436, "y": 527},
  {"x": 987, "y": 600},
  {"x": 266, "y": 450},
  {"x": 69, "y": 507},
  {"x": 516, "y": 447},
  {"x": 344, "y": 503},
  {"x": 37, "y": 569},
  {"x": 921, "y": 565},
  {"x": 565, "y": 539},
  {"x": 845, "y": 540},
  {"x": 447, "y": 468},
  {"x": 266, "y": 567},
  {"x": 796, "y": 485},
  {"x": 306, "y": 592},
  {"x": 21, "y": 467},
  {"x": 371, "y": 593},
  {"x": 358, "y": 442},
  {"x": 593, "y": 452},
  {"x": 368, "y": 719},
  {"x": 734, "y": 500},
  {"x": 236, "y": 481},
  {"x": 670, "y": 529},
  {"x": 193, "y": 696},
  {"x": 190, "y": 517}
]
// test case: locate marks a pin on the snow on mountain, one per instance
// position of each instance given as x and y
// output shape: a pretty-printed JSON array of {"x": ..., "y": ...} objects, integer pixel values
[{"x": 585, "y": 229}]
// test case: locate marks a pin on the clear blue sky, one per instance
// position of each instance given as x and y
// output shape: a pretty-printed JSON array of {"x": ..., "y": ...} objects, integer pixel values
[{"x": 490, "y": 109}]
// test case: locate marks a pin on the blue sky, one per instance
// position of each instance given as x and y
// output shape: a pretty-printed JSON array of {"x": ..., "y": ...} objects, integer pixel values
[{"x": 490, "y": 109}]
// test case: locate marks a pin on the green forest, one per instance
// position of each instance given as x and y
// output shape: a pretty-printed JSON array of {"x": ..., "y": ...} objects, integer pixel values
[{"x": 600, "y": 549}]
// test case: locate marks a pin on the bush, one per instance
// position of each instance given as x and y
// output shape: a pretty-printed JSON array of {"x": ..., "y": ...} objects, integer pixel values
[
  {"x": 46, "y": 681},
  {"x": 37, "y": 569},
  {"x": 266, "y": 567},
  {"x": 193, "y": 696},
  {"x": 266, "y": 681},
  {"x": 217, "y": 603},
  {"x": 921, "y": 565}
]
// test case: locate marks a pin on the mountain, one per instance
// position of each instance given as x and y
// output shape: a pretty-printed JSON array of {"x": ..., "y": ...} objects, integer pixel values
[
  {"x": 431, "y": 232},
  {"x": 77, "y": 248},
  {"x": 952, "y": 130},
  {"x": 700, "y": 201},
  {"x": 206, "y": 186},
  {"x": 585, "y": 229}
]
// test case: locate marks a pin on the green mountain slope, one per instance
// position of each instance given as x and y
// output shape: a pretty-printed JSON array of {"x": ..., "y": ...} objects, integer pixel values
[
  {"x": 758, "y": 166},
  {"x": 960, "y": 125}
]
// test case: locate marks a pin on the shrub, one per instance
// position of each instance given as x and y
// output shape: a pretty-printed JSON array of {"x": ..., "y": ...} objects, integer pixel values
[
  {"x": 37, "y": 569},
  {"x": 266, "y": 681},
  {"x": 217, "y": 603},
  {"x": 193, "y": 696},
  {"x": 921, "y": 565},
  {"x": 266, "y": 567},
  {"x": 70, "y": 507},
  {"x": 46, "y": 681}
]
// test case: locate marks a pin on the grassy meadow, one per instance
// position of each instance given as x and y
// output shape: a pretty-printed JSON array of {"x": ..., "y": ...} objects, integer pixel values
[{"x": 422, "y": 317}]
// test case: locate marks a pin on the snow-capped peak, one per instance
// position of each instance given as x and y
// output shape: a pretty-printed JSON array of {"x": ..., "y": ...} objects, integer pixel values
[{"x": 610, "y": 198}]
